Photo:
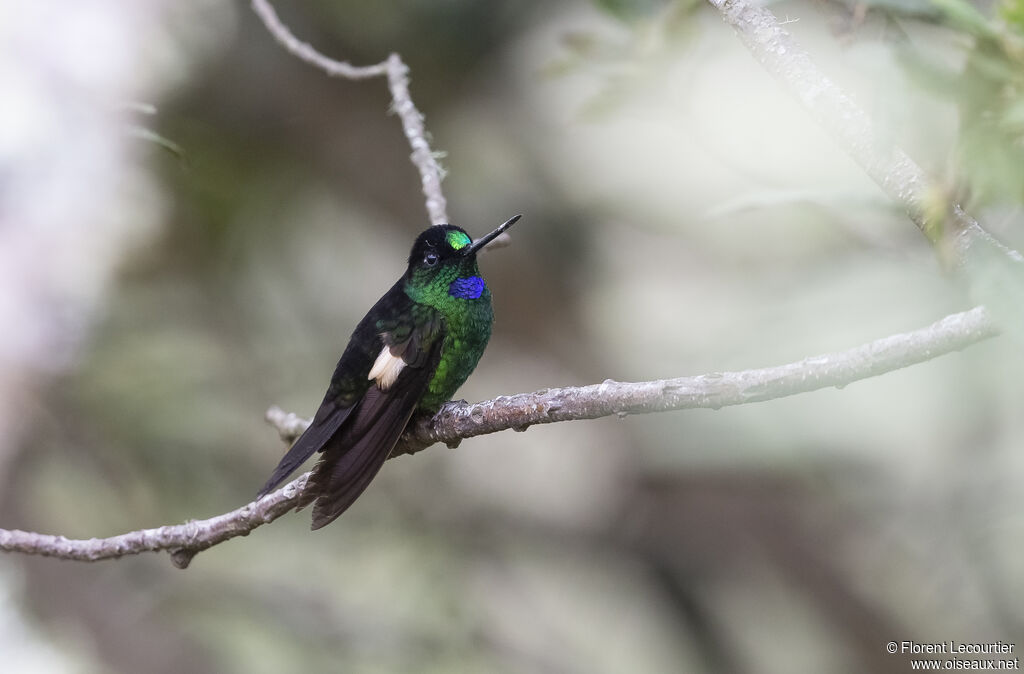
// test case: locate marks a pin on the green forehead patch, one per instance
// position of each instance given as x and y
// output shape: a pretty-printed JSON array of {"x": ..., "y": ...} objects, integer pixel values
[{"x": 458, "y": 240}]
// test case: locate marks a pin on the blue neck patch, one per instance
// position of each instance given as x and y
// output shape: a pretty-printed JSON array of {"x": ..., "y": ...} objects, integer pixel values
[{"x": 467, "y": 288}]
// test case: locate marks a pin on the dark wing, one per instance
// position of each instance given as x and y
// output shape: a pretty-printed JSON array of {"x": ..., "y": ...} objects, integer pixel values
[
  {"x": 354, "y": 455},
  {"x": 329, "y": 418},
  {"x": 348, "y": 385}
]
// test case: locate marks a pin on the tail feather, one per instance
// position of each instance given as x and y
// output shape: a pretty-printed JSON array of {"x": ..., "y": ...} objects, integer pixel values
[
  {"x": 328, "y": 420},
  {"x": 353, "y": 458}
]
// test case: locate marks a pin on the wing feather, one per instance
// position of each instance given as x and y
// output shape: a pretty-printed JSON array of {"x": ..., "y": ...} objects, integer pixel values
[
  {"x": 329, "y": 418},
  {"x": 348, "y": 385},
  {"x": 368, "y": 405},
  {"x": 354, "y": 456}
]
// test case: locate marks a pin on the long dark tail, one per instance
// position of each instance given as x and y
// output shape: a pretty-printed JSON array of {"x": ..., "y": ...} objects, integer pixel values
[
  {"x": 325, "y": 425},
  {"x": 354, "y": 457}
]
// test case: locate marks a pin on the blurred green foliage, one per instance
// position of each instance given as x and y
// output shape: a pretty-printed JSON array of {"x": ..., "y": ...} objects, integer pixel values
[{"x": 988, "y": 90}]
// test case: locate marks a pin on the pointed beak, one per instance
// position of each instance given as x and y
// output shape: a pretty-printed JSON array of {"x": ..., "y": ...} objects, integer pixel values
[{"x": 487, "y": 238}]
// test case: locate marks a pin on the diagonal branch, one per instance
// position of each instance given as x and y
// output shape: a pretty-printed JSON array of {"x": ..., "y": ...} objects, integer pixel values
[
  {"x": 852, "y": 129},
  {"x": 457, "y": 421},
  {"x": 397, "y": 73}
]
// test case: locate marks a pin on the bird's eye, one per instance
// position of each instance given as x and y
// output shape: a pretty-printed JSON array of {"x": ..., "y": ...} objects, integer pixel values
[{"x": 430, "y": 259}]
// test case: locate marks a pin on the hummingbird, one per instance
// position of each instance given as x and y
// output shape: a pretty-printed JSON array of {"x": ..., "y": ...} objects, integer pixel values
[{"x": 408, "y": 356}]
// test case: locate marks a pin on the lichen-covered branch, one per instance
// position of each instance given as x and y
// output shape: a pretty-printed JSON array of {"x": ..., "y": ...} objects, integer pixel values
[
  {"x": 458, "y": 420},
  {"x": 851, "y": 127},
  {"x": 182, "y": 541},
  {"x": 716, "y": 390},
  {"x": 397, "y": 73}
]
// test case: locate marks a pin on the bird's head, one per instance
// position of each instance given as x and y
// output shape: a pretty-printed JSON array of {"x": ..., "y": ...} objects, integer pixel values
[{"x": 443, "y": 263}]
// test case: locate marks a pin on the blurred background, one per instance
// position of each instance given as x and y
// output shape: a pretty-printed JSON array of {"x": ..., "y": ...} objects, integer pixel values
[{"x": 192, "y": 222}]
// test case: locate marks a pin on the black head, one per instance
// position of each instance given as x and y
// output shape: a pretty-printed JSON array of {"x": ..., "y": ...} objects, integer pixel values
[
  {"x": 445, "y": 244},
  {"x": 438, "y": 245}
]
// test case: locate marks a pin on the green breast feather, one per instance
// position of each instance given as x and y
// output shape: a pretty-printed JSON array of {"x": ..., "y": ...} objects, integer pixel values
[
  {"x": 468, "y": 331},
  {"x": 467, "y": 319}
]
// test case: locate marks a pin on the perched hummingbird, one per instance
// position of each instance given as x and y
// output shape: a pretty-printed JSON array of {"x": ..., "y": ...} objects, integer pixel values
[{"x": 409, "y": 354}]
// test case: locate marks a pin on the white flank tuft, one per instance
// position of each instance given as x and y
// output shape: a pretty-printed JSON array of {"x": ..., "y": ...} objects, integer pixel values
[{"x": 386, "y": 368}]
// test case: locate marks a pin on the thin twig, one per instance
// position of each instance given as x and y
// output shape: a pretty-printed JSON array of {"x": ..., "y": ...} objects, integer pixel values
[
  {"x": 397, "y": 73},
  {"x": 425, "y": 159},
  {"x": 457, "y": 421},
  {"x": 306, "y": 52},
  {"x": 851, "y": 127}
]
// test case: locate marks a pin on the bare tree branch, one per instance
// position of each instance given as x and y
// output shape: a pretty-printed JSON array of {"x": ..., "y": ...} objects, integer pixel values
[
  {"x": 397, "y": 73},
  {"x": 851, "y": 127},
  {"x": 183, "y": 541},
  {"x": 459, "y": 420}
]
